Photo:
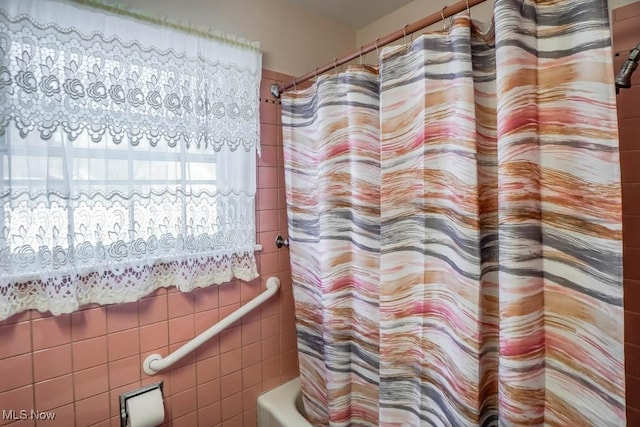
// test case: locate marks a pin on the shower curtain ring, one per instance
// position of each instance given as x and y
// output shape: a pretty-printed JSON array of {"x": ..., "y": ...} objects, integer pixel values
[
  {"x": 468, "y": 9},
  {"x": 444, "y": 26},
  {"x": 315, "y": 74},
  {"x": 335, "y": 65},
  {"x": 404, "y": 31},
  {"x": 377, "y": 53},
  {"x": 294, "y": 85},
  {"x": 361, "y": 55}
]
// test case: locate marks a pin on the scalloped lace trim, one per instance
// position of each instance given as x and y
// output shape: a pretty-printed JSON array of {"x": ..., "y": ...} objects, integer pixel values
[{"x": 65, "y": 294}]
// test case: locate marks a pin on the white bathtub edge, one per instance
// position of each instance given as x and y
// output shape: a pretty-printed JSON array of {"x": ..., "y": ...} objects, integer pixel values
[{"x": 277, "y": 407}]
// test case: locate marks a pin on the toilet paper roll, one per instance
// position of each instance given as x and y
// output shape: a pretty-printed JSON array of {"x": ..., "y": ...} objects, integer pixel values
[{"x": 146, "y": 409}]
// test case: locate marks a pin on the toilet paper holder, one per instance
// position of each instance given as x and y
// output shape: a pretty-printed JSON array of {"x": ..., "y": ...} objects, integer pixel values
[{"x": 128, "y": 395}]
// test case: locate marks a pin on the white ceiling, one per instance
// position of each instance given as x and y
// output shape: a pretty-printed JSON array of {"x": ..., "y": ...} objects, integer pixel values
[{"x": 354, "y": 13}]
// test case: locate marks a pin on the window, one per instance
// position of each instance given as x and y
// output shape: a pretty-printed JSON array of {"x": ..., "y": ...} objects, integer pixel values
[{"x": 124, "y": 167}]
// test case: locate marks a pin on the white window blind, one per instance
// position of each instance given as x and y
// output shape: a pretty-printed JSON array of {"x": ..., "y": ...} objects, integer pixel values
[{"x": 127, "y": 157}]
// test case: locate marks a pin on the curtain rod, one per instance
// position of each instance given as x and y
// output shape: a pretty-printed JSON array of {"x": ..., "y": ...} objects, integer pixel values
[
  {"x": 379, "y": 42},
  {"x": 124, "y": 10}
]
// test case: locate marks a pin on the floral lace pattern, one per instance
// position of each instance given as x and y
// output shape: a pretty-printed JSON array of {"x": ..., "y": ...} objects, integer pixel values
[
  {"x": 107, "y": 258},
  {"x": 53, "y": 78},
  {"x": 127, "y": 162},
  {"x": 65, "y": 294}
]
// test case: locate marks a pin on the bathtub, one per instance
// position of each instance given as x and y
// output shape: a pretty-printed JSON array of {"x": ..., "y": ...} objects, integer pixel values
[{"x": 282, "y": 407}]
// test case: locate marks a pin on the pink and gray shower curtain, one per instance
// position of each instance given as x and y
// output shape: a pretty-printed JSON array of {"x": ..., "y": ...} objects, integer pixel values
[{"x": 455, "y": 227}]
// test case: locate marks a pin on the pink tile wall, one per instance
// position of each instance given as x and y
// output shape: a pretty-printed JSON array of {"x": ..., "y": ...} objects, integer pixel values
[{"x": 77, "y": 365}]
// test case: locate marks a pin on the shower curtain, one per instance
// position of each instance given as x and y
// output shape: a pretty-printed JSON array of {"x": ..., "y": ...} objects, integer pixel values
[{"x": 455, "y": 227}]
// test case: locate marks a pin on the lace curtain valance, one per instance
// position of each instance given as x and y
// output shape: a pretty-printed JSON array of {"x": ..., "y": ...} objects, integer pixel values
[
  {"x": 127, "y": 157},
  {"x": 58, "y": 72}
]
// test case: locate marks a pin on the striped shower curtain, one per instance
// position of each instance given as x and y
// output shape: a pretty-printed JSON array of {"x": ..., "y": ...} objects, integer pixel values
[{"x": 455, "y": 227}]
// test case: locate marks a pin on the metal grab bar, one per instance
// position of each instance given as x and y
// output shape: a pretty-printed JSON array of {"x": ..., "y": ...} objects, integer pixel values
[{"x": 155, "y": 363}]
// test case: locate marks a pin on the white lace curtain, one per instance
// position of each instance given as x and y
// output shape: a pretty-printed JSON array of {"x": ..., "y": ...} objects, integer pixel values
[{"x": 127, "y": 157}]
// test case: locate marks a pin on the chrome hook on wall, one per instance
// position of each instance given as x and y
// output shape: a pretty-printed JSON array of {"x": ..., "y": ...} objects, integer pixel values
[
  {"x": 282, "y": 242},
  {"x": 275, "y": 90}
]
